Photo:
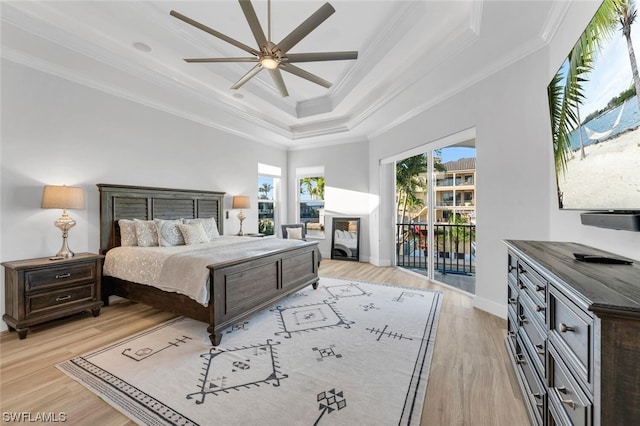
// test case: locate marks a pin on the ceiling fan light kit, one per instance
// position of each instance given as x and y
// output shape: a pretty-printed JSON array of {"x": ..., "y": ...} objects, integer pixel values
[{"x": 271, "y": 56}]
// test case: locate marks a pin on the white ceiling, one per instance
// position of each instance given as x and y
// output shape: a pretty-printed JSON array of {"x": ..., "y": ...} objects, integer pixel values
[{"x": 412, "y": 55}]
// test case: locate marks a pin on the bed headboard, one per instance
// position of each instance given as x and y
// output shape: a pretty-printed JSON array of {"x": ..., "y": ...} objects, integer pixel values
[{"x": 146, "y": 203}]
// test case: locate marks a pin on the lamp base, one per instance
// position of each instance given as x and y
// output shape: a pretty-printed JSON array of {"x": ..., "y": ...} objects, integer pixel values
[
  {"x": 65, "y": 223},
  {"x": 241, "y": 217},
  {"x": 65, "y": 252}
]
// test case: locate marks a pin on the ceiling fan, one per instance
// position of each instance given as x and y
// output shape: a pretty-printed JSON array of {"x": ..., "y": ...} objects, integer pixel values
[{"x": 274, "y": 57}]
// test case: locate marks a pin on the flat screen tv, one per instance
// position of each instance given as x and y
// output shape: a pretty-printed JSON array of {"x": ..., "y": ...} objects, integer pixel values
[{"x": 594, "y": 102}]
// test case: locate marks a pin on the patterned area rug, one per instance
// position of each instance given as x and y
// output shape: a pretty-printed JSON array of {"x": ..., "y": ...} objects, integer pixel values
[{"x": 348, "y": 353}]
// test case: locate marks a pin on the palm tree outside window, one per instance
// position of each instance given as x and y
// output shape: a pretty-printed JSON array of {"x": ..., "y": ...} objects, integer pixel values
[{"x": 311, "y": 196}]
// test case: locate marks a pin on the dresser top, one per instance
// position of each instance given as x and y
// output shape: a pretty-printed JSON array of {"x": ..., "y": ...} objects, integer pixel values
[{"x": 602, "y": 287}]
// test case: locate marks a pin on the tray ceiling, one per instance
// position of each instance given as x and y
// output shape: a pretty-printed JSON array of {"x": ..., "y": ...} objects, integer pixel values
[{"x": 412, "y": 54}]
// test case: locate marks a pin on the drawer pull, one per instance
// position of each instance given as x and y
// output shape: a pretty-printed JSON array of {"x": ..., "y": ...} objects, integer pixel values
[
  {"x": 540, "y": 349},
  {"x": 520, "y": 359},
  {"x": 571, "y": 403},
  {"x": 538, "y": 396},
  {"x": 539, "y": 287},
  {"x": 513, "y": 301},
  {"x": 564, "y": 328},
  {"x": 511, "y": 268},
  {"x": 521, "y": 269},
  {"x": 67, "y": 275},
  {"x": 511, "y": 334},
  {"x": 539, "y": 308},
  {"x": 63, "y": 298},
  {"x": 523, "y": 319}
]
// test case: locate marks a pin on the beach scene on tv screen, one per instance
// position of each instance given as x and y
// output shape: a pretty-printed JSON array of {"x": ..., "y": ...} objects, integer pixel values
[{"x": 595, "y": 110}]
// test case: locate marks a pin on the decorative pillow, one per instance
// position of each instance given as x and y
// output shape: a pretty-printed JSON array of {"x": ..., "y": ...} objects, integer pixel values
[
  {"x": 193, "y": 233},
  {"x": 209, "y": 224},
  {"x": 168, "y": 232},
  {"x": 146, "y": 233},
  {"x": 294, "y": 233},
  {"x": 127, "y": 232}
]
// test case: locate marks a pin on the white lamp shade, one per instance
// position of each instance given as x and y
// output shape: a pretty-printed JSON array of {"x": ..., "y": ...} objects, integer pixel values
[
  {"x": 241, "y": 202},
  {"x": 62, "y": 197}
]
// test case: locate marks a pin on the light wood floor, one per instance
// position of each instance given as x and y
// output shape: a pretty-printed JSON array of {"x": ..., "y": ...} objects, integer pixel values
[{"x": 471, "y": 381}]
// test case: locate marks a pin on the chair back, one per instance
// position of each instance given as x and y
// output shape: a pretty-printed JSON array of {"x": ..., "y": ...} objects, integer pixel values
[{"x": 287, "y": 234}]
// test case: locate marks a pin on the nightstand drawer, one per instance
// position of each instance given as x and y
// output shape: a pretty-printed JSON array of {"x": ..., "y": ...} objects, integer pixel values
[
  {"x": 42, "y": 279},
  {"x": 42, "y": 303}
]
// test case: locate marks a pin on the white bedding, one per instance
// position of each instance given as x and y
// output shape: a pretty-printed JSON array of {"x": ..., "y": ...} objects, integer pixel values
[{"x": 183, "y": 269}]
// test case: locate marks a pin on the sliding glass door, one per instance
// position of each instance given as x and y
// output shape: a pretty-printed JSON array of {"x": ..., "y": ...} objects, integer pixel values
[{"x": 436, "y": 211}]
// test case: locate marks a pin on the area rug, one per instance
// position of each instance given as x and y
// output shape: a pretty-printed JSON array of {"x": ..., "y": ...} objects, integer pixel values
[{"x": 347, "y": 353}]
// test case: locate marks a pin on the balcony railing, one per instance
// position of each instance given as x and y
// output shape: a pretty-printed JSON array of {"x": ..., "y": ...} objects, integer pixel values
[{"x": 453, "y": 248}]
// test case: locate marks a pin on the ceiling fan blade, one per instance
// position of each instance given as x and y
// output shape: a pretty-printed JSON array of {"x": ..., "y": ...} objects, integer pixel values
[
  {"x": 254, "y": 24},
  {"x": 305, "y": 74},
  {"x": 253, "y": 71},
  {"x": 214, "y": 32},
  {"x": 320, "y": 56},
  {"x": 197, "y": 60},
  {"x": 306, "y": 27},
  {"x": 279, "y": 82}
]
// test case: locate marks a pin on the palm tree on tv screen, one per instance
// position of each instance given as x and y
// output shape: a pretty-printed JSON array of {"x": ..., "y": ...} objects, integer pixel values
[
  {"x": 565, "y": 91},
  {"x": 626, "y": 16}
]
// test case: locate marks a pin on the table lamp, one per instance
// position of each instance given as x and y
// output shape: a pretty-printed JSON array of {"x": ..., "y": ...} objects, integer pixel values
[
  {"x": 241, "y": 202},
  {"x": 63, "y": 197}
]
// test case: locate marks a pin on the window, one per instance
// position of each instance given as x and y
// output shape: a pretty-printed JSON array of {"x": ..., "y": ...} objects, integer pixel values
[
  {"x": 311, "y": 200},
  {"x": 268, "y": 189}
]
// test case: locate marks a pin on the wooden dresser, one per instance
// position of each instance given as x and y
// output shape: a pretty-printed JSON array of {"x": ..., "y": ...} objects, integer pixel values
[
  {"x": 574, "y": 334},
  {"x": 39, "y": 290}
]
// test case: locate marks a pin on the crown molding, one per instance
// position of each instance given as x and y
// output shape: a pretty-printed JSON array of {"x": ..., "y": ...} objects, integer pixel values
[{"x": 554, "y": 19}]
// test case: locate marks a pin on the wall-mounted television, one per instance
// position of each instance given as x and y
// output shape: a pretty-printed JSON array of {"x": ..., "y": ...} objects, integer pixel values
[{"x": 595, "y": 120}]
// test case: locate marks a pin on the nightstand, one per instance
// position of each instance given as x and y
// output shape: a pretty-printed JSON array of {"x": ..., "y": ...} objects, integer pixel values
[{"x": 40, "y": 290}]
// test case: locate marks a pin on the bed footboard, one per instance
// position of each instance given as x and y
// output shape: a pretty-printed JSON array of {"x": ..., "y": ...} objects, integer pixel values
[{"x": 241, "y": 288}]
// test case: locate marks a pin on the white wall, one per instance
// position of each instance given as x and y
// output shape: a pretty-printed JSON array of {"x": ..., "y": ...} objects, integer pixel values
[
  {"x": 515, "y": 177},
  {"x": 347, "y": 192},
  {"x": 513, "y": 168},
  {"x": 58, "y": 132}
]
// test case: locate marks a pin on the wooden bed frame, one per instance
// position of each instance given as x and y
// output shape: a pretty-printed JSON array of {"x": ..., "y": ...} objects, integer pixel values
[{"x": 238, "y": 288}]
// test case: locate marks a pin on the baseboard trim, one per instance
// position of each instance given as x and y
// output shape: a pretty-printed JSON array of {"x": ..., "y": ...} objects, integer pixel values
[
  {"x": 379, "y": 262},
  {"x": 497, "y": 309}
]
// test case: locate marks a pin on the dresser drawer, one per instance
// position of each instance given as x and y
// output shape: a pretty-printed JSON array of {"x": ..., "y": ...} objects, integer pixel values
[
  {"x": 571, "y": 404},
  {"x": 512, "y": 265},
  {"x": 51, "y": 301},
  {"x": 571, "y": 329},
  {"x": 512, "y": 297},
  {"x": 532, "y": 281},
  {"x": 537, "y": 309},
  {"x": 43, "y": 279},
  {"x": 534, "y": 337},
  {"x": 533, "y": 388},
  {"x": 512, "y": 327}
]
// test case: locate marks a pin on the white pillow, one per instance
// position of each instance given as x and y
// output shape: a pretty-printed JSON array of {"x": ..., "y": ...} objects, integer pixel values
[
  {"x": 294, "y": 233},
  {"x": 127, "y": 232},
  {"x": 146, "y": 233},
  {"x": 193, "y": 233},
  {"x": 168, "y": 232},
  {"x": 209, "y": 224}
]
